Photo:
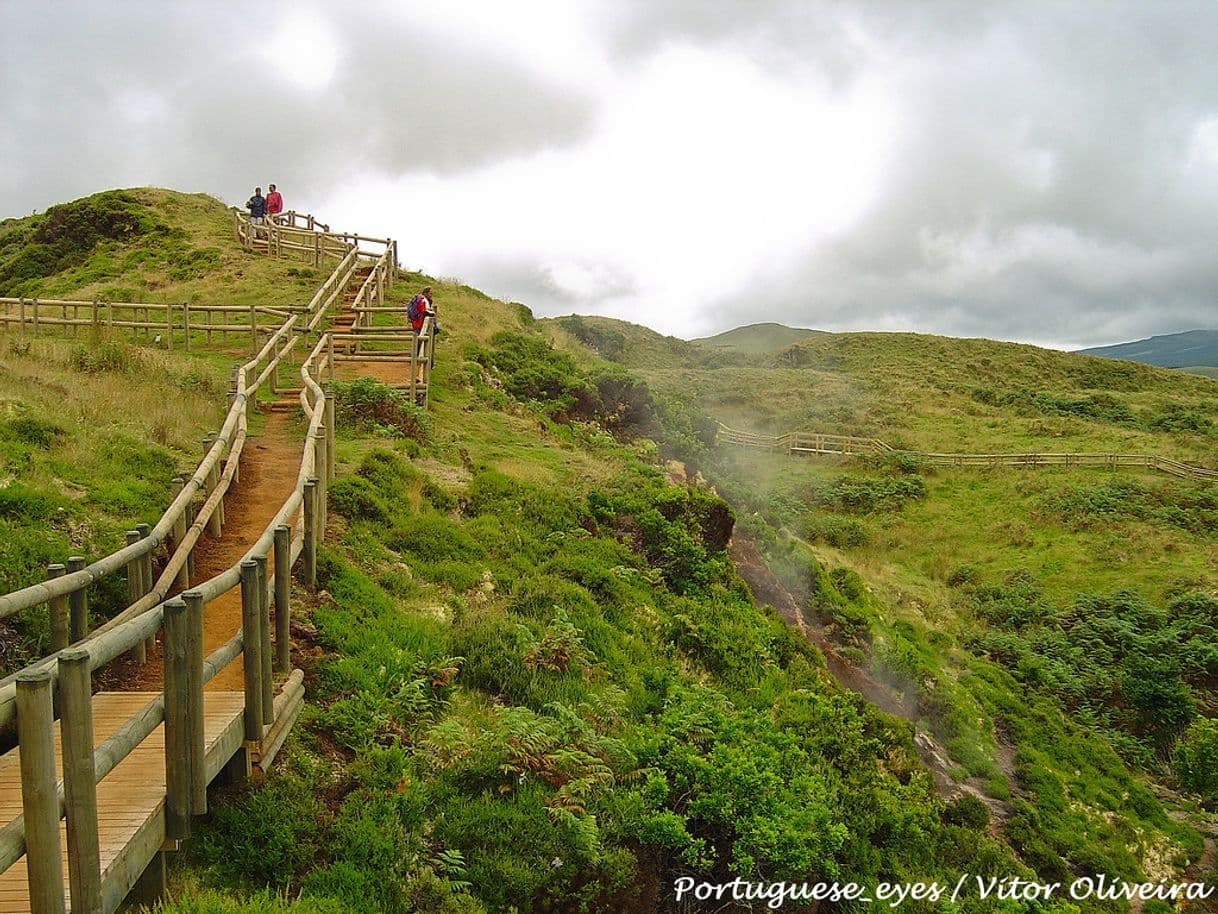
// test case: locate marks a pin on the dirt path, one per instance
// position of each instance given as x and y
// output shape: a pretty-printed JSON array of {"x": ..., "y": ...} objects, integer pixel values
[{"x": 269, "y": 465}]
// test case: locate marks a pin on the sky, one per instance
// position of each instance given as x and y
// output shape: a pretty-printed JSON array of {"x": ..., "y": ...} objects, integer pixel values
[{"x": 1035, "y": 170}]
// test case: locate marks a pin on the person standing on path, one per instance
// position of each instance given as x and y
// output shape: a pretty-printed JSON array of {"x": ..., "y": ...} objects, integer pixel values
[
  {"x": 257, "y": 207},
  {"x": 274, "y": 204},
  {"x": 419, "y": 309}
]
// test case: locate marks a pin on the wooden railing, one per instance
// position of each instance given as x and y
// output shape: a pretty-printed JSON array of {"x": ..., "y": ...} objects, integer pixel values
[
  {"x": 172, "y": 323},
  {"x": 28, "y": 698},
  {"x": 818, "y": 443}
]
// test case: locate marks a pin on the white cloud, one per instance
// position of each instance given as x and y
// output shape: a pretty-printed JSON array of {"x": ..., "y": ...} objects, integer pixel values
[{"x": 1020, "y": 170}]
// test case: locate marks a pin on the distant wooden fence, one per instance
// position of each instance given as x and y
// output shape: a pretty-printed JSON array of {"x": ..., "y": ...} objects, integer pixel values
[
  {"x": 61, "y": 682},
  {"x": 818, "y": 443}
]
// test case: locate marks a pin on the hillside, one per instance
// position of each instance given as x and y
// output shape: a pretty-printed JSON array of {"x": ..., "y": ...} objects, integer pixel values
[
  {"x": 1171, "y": 350},
  {"x": 546, "y": 672},
  {"x": 754, "y": 339}
]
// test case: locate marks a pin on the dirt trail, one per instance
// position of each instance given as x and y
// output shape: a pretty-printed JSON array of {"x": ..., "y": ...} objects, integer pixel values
[{"x": 269, "y": 465}]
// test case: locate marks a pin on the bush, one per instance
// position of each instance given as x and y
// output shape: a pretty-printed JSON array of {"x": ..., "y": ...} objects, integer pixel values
[
  {"x": 865, "y": 495},
  {"x": 1196, "y": 760},
  {"x": 839, "y": 532},
  {"x": 34, "y": 432},
  {"x": 368, "y": 406},
  {"x": 109, "y": 356},
  {"x": 355, "y": 498},
  {"x": 967, "y": 811}
]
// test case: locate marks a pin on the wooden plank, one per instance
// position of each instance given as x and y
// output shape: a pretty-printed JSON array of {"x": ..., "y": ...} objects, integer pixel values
[{"x": 130, "y": 800}]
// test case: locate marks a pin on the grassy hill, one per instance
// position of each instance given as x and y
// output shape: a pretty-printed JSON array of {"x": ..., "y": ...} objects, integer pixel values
[
  {"x": 1172, "y": 350},
  {"x": 754, "y": 339},
  {"x": 539, "y": 680},
  {"x": 147, "y": 245}
]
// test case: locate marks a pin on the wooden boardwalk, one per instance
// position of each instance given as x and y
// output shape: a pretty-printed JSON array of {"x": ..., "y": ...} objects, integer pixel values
[{"x": 130, "y": 800}]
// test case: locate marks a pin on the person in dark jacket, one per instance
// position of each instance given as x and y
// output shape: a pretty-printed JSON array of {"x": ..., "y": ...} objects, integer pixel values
[{"x": 257, "y": 206}]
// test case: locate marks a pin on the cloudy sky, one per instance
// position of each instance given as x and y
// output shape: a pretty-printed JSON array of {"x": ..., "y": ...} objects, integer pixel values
[{"x": 1038, "y": 170}]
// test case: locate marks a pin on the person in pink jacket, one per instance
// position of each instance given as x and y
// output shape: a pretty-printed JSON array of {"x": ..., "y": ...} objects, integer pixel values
[{"x": 274, "y": 203}]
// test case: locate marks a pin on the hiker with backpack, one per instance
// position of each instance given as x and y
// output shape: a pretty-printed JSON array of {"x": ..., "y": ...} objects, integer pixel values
[{"x": 419, "y": 309}]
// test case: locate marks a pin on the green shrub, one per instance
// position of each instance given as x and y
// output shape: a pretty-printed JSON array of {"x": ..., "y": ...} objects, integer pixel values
[
  {"x": 432, "y": 538},
  {"x": 32, "y": 431},
  {"x": 533, "y": 370},
  {"x": 266, "y": 836},
  {"x": 367, "y": 405},
  {"x": 356, "y": 498},
  {"x": 967, "y": 811},
  {"x": 105, "y": 356},
  {"x": 864, "y": 495},
  {"x": 1196, "y": 760},
  {"x": 839, "y": 532}
]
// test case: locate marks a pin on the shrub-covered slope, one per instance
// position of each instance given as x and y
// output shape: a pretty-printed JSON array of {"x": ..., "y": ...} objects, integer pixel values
[{"x": 541, "y": 685}]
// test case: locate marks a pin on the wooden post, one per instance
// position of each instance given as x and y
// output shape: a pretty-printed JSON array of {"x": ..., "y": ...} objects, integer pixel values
[
  {"x": 266, "y": 675},
  {"x": 251, "y": 645},
  {"x": 215, "y": 523},
  {"x": 39, "y": 795},
  {"x": 331, "y": 439},
  {"x": 330, "y": 360},
  {"x": 177, "y": 723},
  {"x": 147, "y": 578},
  {"x": 58, "y": 607},
  {"x": 180, "y": 527},
  {"x": 79, "y": 780},
  {"x": 149, "y": 889},
  {"x": 308, "y": 565},
  {"x": 253, "y": 330},
  {"x": 186, "y": 326},
  {"x": 189, "y": 517},
  {"x": 320, "y": 461},
  {"x": 78, "y": 604},
  {"x": 414, "y": 367},
  {"x": 283, "y": 598},
  {"x": 135, "y": 590},
  {"x": 194, "y": 700},
  {"x": 316, "y": 247}
]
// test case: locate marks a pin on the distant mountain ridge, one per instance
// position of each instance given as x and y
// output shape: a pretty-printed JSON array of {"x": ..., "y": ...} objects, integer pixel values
[
  {"x": 758, "y": 338},
  {"x": 1190, "y": 349}
]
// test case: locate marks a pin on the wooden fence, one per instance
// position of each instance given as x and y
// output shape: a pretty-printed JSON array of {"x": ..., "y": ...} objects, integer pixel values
[
  {"x": 818, "y": 443},
  {"x": 62, "y": 682}
]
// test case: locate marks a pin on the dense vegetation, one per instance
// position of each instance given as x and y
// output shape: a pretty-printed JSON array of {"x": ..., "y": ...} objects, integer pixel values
[{"x": 593, "y": 707}]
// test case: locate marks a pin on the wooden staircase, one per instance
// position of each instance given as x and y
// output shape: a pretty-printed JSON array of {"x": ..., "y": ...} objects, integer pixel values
[{"x": 288, "y": 399}]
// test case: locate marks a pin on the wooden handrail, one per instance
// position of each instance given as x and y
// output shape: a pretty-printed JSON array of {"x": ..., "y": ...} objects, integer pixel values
[{"x": 823, "y": 443}]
